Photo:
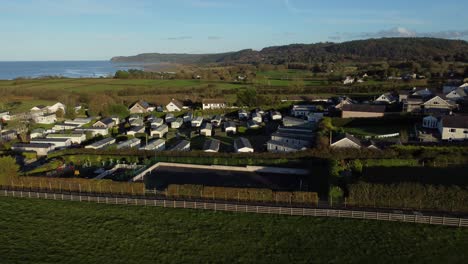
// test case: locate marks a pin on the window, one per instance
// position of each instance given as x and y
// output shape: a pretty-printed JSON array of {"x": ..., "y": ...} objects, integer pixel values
[
  {"x": 465, "y": 132},
  {"x": 453, "y": 130}
]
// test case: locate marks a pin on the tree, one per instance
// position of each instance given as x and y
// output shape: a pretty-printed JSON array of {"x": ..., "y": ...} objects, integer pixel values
[
  {"x": 8, "y": 169},
  {"x": 247, "y": 97},
  {"x": 60, "y": 113}
]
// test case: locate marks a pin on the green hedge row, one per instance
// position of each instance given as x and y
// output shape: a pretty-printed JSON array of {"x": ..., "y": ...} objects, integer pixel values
[{"x": 409, "y": 195}]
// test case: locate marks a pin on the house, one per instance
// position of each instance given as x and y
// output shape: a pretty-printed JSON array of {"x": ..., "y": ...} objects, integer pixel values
[
  {"x": 101, "y": 143},
  {"x": 94, "y": 131},
  {"x": 54, "y": 108},
  {"x": 159, "y": 131},
  {"x": 41, "y": 149},
  {"x": 430, "y": 122},
  {"x": 137, "y": 122},
  {"x": 453, "y": 128},
  {"x": 5, "y": 116},
  {"x": 79, "y": 121},
  {"x": 46, "y": 119},
  {"x": 213, "y": 104},
  {"x": 292, "y": 121},
  {"x": 315, "y": 117},
  {"x": 348, "y": 80},
  {"x": 230, "y": 127},
  {"x": 136, "y": 130},
  {"x": 280, "y": 147},
  {"x": 216, "y": 120},
  {"x": 346, "y": 141},
  {"x": 197, "y": 122},
  {"x": 183, "y": 145},
  {"x": 257, "y": 117},
  {"x": 437, "y": 104},
  {"x": 157, "y": 122},
  {"x": 252, "y": 124},
  {"x": 155, "y": 145},
  {"x": 188, "y": 117},
  {"x": 242, "y": 145},
  {"x": 139, "y": 107},
  {"x": 8, "y": 135},
  {"x": 275, "y": 115},
  {"x": 36, "y": 133},
  {"x": 206, "y": 130},
  {"x": 302, "y": 110},
  {"x": 58, "y": 143},
  {"x": 211, "y": 145},
  {"x": 243, "y": 114},
  {"x": 387, "y": 98},
  {"x": 457, "y": 94},
  {"x": 177, "y": 123},
  {"x": 169, "y": 118},
  {"x": 174, "y": 106},
  {"x": 343, "y": 101},
  {"x": 63, "y": 126},
  {"x": 362, "y": 111},
  {"x": 412, "y": 104},
  {"x": 131, "y": 143},
  {"x": 290, "y": 139},
  {"x": 133, "y": 117},
  {"x": 76, "y": 138},
  {"x": 105, "y": 123}
]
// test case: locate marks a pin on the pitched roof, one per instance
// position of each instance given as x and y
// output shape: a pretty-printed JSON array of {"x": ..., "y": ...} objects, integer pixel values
[
  {"x": 364, "y": 108},
  {"x": 212, "y": 144},
  {"x": 350, "y": 138},
  {"x": 106, "y": 121},
  {"x": 177, "y": 103},
  {"x": 242, "y": 143},
  {"x": 455, "y": 121}
]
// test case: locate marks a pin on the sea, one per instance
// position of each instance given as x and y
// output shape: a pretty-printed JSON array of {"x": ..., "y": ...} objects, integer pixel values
[{"x": 10, "y": 70}]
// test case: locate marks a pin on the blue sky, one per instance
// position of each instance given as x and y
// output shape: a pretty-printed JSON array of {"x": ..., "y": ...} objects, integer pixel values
[{"x": 100, "y": 29}]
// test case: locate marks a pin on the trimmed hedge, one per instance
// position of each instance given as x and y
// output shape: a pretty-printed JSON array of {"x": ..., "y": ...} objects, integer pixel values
[
  {"x": 409, "y": 195},
  {"x": 241, "y": 194}
]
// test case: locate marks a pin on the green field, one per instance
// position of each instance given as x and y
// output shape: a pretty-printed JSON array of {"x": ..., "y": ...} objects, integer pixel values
[{"x": 38, "y": 231}]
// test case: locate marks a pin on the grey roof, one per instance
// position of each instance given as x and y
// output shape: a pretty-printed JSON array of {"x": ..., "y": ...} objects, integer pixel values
[
  {"x": 32, "y": 145},
  {"x": 153, "y": 144},
  {"x": 242, "y": 143},
  {"x": 455, "y": 121},
  {"x": 282, "y": 144},
  {"x": 137, "y": 129},
  {"x": 300, "y": 136},
  {"x": 364, "y": 108},
  {"x": 107, "y": 121},
  {"x": 161, "y": 128},
  {"x": 102, "y": 142},
  {"x": 212, "y": 144},
  {"x": 207, "y": 126},
  {"x": 181, "y": 145},
  {"x": 230, "y": 124},
  {"x": 50, "y": 140},
  {"x": 349, "y": 137}
]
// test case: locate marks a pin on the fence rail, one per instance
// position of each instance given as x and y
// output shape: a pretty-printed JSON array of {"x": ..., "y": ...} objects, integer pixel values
[{"x": 229, "y": 207}]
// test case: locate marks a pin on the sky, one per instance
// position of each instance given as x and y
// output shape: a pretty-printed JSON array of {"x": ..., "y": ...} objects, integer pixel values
[{"x": 100, "y": 29}]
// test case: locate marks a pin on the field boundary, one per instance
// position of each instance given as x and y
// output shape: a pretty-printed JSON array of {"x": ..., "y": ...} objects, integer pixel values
[{"x": 230, "y": 207}]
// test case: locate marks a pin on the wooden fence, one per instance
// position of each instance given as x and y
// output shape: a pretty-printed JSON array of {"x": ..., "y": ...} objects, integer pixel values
[{"x": 230, "y": 207}]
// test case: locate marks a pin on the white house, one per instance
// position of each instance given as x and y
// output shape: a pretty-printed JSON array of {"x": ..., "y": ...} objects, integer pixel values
[
  {"x": 213, "y": 104},
  {"x": 155, "y": 145},
  {"x": 137, "y": 122},
  {"x": 252, "y": 124},
  {"x": 157, "y": 122},
  {"x": 101, "y": 143},
  {"x": 453, "y": 128},
  {"x": 38, "y": 132},
  {"x": 230, "y": 127},
  {"x": 45, "y": 119},
  {"x": 159, "y": 131},
  {"x": 206, "y": 130},
  {"x": 275, "y": 115},
  {"x": 257, "y": 117},
  {"x": 139, "y": 107},
  {"x": 76, "y": 138},
  {"x": 177, "y": 123},
  {"x": 242, "y": 145},
  {"x": 211, "y": 145},
  {"x": 348, "y": 141},
  {"x": 56, "y": 142},
  {"x": 197, "y": 122},
  {"x": 174, "y": 106}
]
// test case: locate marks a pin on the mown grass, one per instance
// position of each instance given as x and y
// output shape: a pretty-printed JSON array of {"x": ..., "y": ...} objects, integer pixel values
[{"x": 38, "y": 231}]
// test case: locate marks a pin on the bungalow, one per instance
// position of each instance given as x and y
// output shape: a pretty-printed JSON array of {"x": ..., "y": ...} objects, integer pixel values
[
  {"x": 386, "y": 98},
  {"x": 453, "y": 128},
  {"x": 362, "y": 111},
  {"x": 105, "y": 123},
  {"x": 188, "y": 117},
  {"x": 63, "y": 126},
  {"x": 242, "y": 145},
  {"x": 243, "y": 114},
  {"x": 155, "y": 145},
  {"x": 302, "y": 110},
  {"x": 346, "y": 141},
  {"x": 139, "y": 107},
  {"x": 216, "y": 120},
  {"x": 41, "y": 149},
  {"x": 230, "y": 127},
  {"x": 159, "y": 131},
  {"x": 174, "y": 106},
  {"x": 101, "y": 143},
  {"x": 197, "y": 122},
  {"x": 131, "y": 143},
  {"x": 8, "y": 135},
  {"x": 94, "y": 131},
  {"x": 213, "y": 104},
  {"x": 275, "y": 115},
  {"x": 183, "y": 145},
  {"x": 157, "y": 122},
  {"x": 45, "y": 119},
  {"x": 177, "y": 123},
  {"x": 211, "y": 145},
  {"x": 57, "y": 142},
  {"x": 257, "y": 117},
  {"x": 206, "y": 130},
  {"x": 170, "y": 118},
  {"x": 136, "y": 130},
  {"x": 76, "y": 138}
]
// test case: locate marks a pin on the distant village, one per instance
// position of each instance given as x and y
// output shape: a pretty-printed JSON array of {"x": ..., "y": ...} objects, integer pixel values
[{"x": 173, "y": 126}]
